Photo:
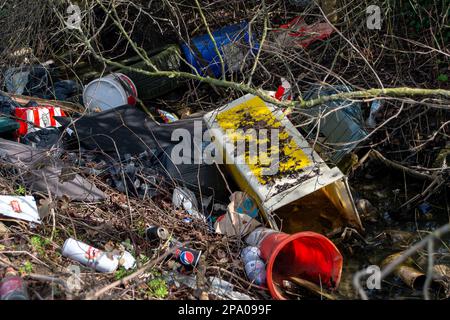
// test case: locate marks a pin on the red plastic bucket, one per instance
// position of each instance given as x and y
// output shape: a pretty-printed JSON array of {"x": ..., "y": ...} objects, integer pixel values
[{"x": 306, "y": 255}]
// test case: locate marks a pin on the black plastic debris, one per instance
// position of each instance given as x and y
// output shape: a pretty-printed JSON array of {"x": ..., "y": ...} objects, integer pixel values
[{"x": 44, "y": 138}]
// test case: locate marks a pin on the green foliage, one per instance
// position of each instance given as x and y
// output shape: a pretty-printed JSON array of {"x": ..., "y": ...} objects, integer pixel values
[
  {"x": 143, "y": 259},
  {"x": 27, "y": 267},
  {"x": 21, "y": 191},
  {"x": 38, "y": 243},
  {"x": 442, "y": 78},
  {"x": 157, "y": 288},
  {"x": 122, "y": 273}
]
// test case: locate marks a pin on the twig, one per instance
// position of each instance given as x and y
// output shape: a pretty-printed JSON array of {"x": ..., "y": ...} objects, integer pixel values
[
  {"x": 438, "y": 233},
  {"x": 135, "y": 274},
  {"x": 426, "y": 287},
  {"x": 216, "y": 48}
]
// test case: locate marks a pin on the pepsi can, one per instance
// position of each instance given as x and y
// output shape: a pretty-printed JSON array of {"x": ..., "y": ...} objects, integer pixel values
[{"x": 187, "y": 257}]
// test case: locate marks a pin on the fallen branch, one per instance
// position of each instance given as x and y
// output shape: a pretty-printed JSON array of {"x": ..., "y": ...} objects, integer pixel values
[
  {"x": 100, "y": 292},
  {"x": 438, "y": 233}
]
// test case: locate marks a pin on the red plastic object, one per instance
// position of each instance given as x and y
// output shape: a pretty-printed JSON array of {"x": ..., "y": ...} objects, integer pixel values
[
  {"x": 131, "y": 97},
  {"x": 42, "y": 116},
  {"x": 307, "y": 255},
  {"x": 307, "y": 33}
]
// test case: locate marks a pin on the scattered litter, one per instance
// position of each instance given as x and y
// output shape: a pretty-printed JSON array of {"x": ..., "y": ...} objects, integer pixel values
[
  {"x": 166, "y": 116},
  {"x": 44, "y": 138},
  {"x": 341, "y": 122},
  {"x": 224, "y": 289},
  {"x": 20, "y": 207},
  {"x": 141, "y": 143},
  {"x": 184, "y": 198},
  {"x": 307, "y": 255},
  {"x": 412, "y": 277},
  {"x": 166, "y": 58},
  {"x": 188, "y": 257},
  {"x": 217, "y": 286},
  {"x": 42, "y": 172},
  {"x": 424, "y": 208},
  {"x": 296, "y": 33},
  {"x": 36, "y": 118},
  {"x": 3, "y": 229},
  {"x": 233, "y": 42},
  {"x": 241, "y": 216},
  {"x": 39, "y": 81},
  {"x": 294, "y": 176}
]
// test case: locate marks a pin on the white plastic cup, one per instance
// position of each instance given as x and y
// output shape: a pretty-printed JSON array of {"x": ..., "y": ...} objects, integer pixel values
[{"x": 89, "y": 256}]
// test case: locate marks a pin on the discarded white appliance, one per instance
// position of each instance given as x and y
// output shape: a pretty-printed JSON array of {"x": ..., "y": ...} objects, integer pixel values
[{"x": 302, "y": 191}]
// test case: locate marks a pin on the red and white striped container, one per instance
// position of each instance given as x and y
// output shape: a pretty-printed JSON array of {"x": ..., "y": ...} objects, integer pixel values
[{"x": 36, "y": 118}]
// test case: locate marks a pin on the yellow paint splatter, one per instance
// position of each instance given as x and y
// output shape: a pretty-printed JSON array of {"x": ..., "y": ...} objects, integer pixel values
[{"x": 254, "y": 114}]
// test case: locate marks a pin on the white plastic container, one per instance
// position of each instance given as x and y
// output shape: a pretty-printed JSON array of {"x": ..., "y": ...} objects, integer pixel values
[
  {"x": 89, "y": 256},
  {"x": 109, "y": 92}
]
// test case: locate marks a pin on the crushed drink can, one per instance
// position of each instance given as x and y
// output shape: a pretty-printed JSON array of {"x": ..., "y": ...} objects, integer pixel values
[
  {"x": 186, "y": 256},
  {"x": 155, "y": 234},
  {"x": 89, "y": 256},
  {"x": 96, "y": 258}
]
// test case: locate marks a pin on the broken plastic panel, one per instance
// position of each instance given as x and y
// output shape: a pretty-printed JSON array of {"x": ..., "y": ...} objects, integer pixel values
[{"x": 304, "y": 193}]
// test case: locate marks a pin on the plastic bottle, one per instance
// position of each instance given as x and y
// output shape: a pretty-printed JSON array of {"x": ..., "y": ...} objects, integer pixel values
[{"x": 255, "y": 268}]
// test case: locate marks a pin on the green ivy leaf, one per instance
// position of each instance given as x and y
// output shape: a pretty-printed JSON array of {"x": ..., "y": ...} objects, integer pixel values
[{"x": 442, "y": 78}]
